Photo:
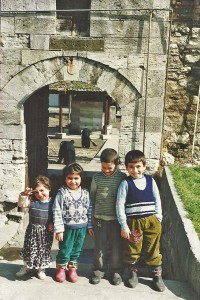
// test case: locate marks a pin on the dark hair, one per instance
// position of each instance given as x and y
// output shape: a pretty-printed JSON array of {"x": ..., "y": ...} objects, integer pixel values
[
  {"x": 135, "y": 156},
  {"x": 109, "y": 155},
  {"x": 73, "y": 168},
  {"x": 41, "y": 180}
]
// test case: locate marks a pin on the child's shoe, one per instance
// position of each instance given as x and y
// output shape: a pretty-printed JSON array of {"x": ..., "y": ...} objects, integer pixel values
[
  {"x": 23, "y": 271},
  {"x": 158, "y": 283},
  {"x": 116, "y": 279},
  {"x": 60, "y": 274},
  {"x": 133, "y": 279},
  {"x": 95, "y": 279},
  {"x": 72, "y": 275},
  {"x": 41, "y": 274}
]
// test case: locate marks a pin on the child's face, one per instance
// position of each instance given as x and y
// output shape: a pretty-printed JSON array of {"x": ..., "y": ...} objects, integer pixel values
[
  {"x": 41, "y": 193},
  {"x": 136, "y": 170},
  {"x": 73, "y": 181},
  {"x": 108, "y": 168}
]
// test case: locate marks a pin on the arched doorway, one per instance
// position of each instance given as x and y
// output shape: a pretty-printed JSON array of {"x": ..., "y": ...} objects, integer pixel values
[{"x": 22, "y": 86}]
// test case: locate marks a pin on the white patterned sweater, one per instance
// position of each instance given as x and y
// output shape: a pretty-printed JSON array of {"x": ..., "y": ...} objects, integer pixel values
[{"x": 72, "y": 209}]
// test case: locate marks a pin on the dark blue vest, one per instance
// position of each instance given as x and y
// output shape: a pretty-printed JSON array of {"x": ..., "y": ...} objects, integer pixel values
[{"x": 140, "y": 203}]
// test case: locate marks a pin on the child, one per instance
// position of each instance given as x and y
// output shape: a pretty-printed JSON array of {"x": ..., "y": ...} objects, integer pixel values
[
  {"x": 39, "y": 232},
  {"x": 106, "y": 227},
  {"x": 139, "y": 214},
  {"x": 71, "y": 211}
]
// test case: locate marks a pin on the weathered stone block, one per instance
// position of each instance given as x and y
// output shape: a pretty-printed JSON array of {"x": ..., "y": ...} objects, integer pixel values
[
  {"x": 156, "y": 86},
  {"x": 7, "y": 25},
  {"x": 46, "y": 5},
  {"x": 16, "y": 41},
  {"x": 8, "y": 73},
  {"x": 161, "y": 4},
  {"x": 33, "y": 56},
  {"x": 135, "y": 76},
  {"x": 81, "y": 44},
  {"x": 6, "y": 156},
  {"x": 134, "y": 27},
  {"x": 12, "y": 132},
  {"x": 154, "y": 107},
  {"x": 152, "y": 141},
  {"x": 32, "y": 25},
  {"x": 120, "y": 60},
  {"x": 5, "y": 144},
  {"x": 126, "y": 46},
  {"x": 9, "y": 57},
  {"x": 11, "y": 117},
  {"x": 39, "y": 41},
  {"x": 152, "y": 124}
]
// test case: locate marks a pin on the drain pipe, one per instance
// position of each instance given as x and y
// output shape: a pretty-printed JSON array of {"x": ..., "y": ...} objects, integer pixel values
[
  {"x": 167, "y": 71},
  {"x": 195, "y": 124},
  {"x": 147, "y": 73}
]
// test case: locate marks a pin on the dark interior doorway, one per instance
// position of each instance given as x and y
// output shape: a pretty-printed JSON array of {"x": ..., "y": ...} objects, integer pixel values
[{"x": 36, "y": 119}]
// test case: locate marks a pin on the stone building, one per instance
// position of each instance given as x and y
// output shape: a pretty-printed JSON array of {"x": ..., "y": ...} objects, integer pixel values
[{"x": 139, "y": 54}]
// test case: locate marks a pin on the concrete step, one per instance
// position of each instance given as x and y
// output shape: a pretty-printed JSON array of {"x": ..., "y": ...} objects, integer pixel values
[{"x": 7, "y": 231}]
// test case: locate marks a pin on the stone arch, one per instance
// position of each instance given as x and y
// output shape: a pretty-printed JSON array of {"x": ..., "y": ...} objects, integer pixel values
[{"x": 43, "y": 73}]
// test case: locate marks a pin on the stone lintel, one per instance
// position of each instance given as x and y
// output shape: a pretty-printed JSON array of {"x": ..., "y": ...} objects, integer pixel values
[{"x": 80, "y": 44}]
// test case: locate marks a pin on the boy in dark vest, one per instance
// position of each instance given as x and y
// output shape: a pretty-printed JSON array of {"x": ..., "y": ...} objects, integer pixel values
[{"x": 139, "y": 213}]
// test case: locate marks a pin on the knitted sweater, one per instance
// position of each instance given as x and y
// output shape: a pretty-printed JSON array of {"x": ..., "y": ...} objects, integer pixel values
[
  {"x": 103, "y": 193},
  {"x": 40, "y": 212},
  {"x": 72, "y": 209},
  {"x": 140, "y": 203}
]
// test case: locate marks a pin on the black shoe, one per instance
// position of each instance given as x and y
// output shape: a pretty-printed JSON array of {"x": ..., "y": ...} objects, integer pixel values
[
  {"x": 116, "y": 279},
  {"x": 133, "y": 279},
  {"x": 95, "y": 279},
  {"x": 158, "y": 283}
]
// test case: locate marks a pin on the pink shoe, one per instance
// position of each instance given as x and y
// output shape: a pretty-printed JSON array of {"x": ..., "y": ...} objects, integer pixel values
[
  {"x": 72, "y": 275},
  {"x": 60, "y": 274}
]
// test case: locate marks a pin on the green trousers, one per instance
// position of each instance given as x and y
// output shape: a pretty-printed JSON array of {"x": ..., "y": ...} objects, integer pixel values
[
  {"x": 71, "y": 246},
  {"x": 144, "y": 243}
]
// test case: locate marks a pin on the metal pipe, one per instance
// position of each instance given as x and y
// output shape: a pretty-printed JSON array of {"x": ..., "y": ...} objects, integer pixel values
[
  {"x": 60, "y": 114},
  {"x": 167, "y": 70},
  {"x": 147, "y": 72},
  {"x": 195, "y": 125},
  {"x": 83, "y": 10}
]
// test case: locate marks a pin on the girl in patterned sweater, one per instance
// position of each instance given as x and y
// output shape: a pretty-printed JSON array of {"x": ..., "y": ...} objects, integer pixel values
[
  {"x": 71, "y": 210},
  {"x": 39, "y": 233}
]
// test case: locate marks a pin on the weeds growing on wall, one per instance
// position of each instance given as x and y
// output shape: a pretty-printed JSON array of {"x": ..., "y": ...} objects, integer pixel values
[{"x": 187, "y": 182}]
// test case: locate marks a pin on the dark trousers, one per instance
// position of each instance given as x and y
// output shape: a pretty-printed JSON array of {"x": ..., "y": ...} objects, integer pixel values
[{"x": 108, "y": 247}]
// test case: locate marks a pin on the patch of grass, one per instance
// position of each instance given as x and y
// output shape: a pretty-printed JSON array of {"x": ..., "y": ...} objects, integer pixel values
[{"x": 187, "y": 182}]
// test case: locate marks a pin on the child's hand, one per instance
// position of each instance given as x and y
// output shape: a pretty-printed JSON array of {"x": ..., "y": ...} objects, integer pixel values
[
  {"x": 51, "y": 227},
  {"x": 91, "y": 232},
  {"x": 125, "y": 233},
  {"x": 28, "y": 191},
  {"x": 59, "y": 236}
]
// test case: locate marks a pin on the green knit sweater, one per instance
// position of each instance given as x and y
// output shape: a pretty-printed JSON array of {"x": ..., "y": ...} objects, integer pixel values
[{"x": 103, "y": 193}]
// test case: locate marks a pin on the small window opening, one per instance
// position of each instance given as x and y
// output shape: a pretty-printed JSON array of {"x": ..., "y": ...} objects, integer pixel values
[{"x": 73, "y": 23}]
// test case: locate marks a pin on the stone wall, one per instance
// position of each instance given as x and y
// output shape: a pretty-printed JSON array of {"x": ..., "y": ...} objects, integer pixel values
[
  {"x": 124, "y": 55},
  {"x": 180, "y": 137},
  {"x": 180, "y": 243}
]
